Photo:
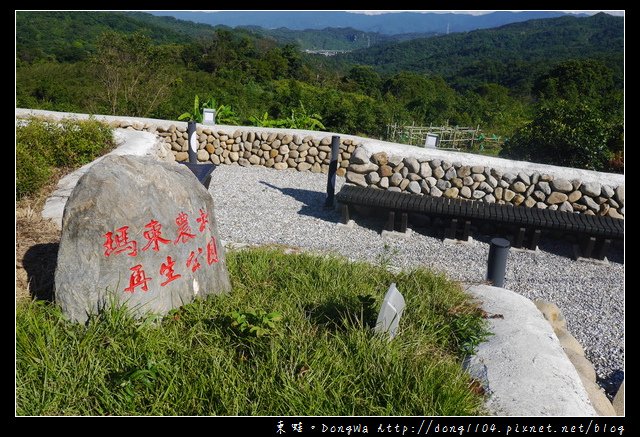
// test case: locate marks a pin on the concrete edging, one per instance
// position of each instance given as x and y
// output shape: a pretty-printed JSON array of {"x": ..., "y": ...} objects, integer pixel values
[{"x": 522, "y": 366}]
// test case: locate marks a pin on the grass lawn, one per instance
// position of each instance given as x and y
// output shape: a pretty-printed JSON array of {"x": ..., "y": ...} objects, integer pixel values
[{"x": 315, "y": 356}]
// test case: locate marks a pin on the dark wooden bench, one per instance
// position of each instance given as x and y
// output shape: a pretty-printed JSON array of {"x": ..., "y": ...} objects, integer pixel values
[{"x": 595, "y": 233}]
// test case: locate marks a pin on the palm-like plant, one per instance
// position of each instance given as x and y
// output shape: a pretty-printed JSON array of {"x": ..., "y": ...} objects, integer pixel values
[{"x": 224, "y": 113}]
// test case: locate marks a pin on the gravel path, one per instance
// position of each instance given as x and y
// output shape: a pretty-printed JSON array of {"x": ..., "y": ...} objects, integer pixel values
[{"x": 256, "y": 205}]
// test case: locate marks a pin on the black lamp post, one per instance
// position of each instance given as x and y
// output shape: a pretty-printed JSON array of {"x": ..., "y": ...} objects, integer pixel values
[
  {"x": 201, "y": 171},
  {"x": 333, "y": 168}
]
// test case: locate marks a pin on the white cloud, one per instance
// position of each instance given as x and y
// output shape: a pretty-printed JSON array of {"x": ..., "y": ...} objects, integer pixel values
[{"x": 421, "y": 12}]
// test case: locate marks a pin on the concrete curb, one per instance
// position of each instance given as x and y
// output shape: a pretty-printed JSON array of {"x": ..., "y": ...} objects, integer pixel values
[{"x": 523, "y": 367}]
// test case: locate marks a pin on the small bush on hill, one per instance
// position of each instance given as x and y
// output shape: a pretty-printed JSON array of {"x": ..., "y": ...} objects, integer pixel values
[{"x": 43, "y": 145}]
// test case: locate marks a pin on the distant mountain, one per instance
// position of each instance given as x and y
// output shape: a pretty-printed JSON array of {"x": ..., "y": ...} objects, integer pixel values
[
  {"x": 70, "y": 36},
  {"x": 331, "y": 38},
  {"x": 512, "y": 55},
  {"x": 389, "y": 24},
  {"x": 505, "y": 54}
]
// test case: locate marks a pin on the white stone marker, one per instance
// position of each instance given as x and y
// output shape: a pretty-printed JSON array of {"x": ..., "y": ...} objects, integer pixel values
[{"x": 390, "y": 312}]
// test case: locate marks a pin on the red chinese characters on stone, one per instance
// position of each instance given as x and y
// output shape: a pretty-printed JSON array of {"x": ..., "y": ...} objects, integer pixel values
[
  {"x": 138, "y": 279},
  {"x": 203, "y": 220},
  {"x": 212, "y": 251},
  {"x": 119, "y": 242},
  {"x": 154, "y": 235},
  {"x": 184, "y": 230},
  {"x": 192, "y": 261},
  {"x": 166, "y": 269}
]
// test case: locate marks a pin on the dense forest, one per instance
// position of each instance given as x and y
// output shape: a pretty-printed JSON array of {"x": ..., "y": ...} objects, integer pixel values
[
  {"x": 513, "y": 55},
  {"x": 524, "y": 81}
]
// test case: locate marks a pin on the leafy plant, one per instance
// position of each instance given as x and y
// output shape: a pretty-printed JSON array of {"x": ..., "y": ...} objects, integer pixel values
[
  {"x": 297, "y": 120},
  {"x": 196, "y": 115},
  {"x": 224, "y": 113},
  {"x": 140, "y": 378},
  {"x": 255, "y": 323},
  {"x": 265, "y": 121},
  {"x": 32, "y": 171},
  {"x": 304, "y": 120},
  {"x": 387, "y": 255}
]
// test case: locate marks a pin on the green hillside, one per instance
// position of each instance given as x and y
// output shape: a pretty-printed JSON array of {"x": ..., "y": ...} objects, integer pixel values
[
  {"x": 331, "y": 38},
  {"x": 70, "y": 36},
  {"x": 512, "y": 55}
]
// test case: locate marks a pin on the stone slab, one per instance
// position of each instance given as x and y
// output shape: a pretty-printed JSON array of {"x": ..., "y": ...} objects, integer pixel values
[{"x": 522, "y": 366}]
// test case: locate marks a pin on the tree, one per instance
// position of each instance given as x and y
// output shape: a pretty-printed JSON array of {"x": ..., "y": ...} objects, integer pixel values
[
  {"x": 493, "y": 108},
  {"x": 579, "y": 119},
  {"x": 296, "y": 69},
  {"x": 365, "y": 79},
  {"x": 134, "y": 74},
  {"x": 565, "y": 133},
  {"x": 428, "y": 98},
  {"x": 585, "y": 79}
]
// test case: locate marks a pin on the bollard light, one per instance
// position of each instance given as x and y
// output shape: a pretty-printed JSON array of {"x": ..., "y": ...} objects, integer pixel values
[
  {"x": 208, "y": 116},
  {"x": 431, "y": 141},
  {"x": 333, "y": 168},
  {"x": 390, "y": 312},
  {"x": 192, "y": 139},
  {"x": 497, "y": 262},
  {"x": 201, "y": 171}
]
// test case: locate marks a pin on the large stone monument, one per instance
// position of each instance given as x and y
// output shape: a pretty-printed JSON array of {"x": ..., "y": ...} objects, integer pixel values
[{"x": 139, "y": 232}]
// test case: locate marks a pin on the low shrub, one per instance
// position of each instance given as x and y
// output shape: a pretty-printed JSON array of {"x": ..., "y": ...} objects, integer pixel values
[{"x": 43, "y": 145}]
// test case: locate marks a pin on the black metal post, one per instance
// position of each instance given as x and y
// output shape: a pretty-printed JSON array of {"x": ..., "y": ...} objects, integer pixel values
[
  {"x": 201, "y": 171},
  {"x": 193, "y": 142},
  {"x": 333, "y": 168},
  {"x": 497, "y": 263}
]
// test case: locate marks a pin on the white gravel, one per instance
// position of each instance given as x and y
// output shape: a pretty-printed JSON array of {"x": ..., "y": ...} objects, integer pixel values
[{"x": 256, "y": 205}]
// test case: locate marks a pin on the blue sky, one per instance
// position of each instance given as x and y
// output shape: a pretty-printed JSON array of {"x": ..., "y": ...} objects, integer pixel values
[
  {"x": 480, "y": 12},
  {"x": 470, "y": 12}
]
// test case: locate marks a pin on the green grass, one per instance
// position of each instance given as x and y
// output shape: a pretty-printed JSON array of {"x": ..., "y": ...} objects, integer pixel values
[
  {"x": 44, "y": 145},
  {"x": 315, "y": 355}
]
